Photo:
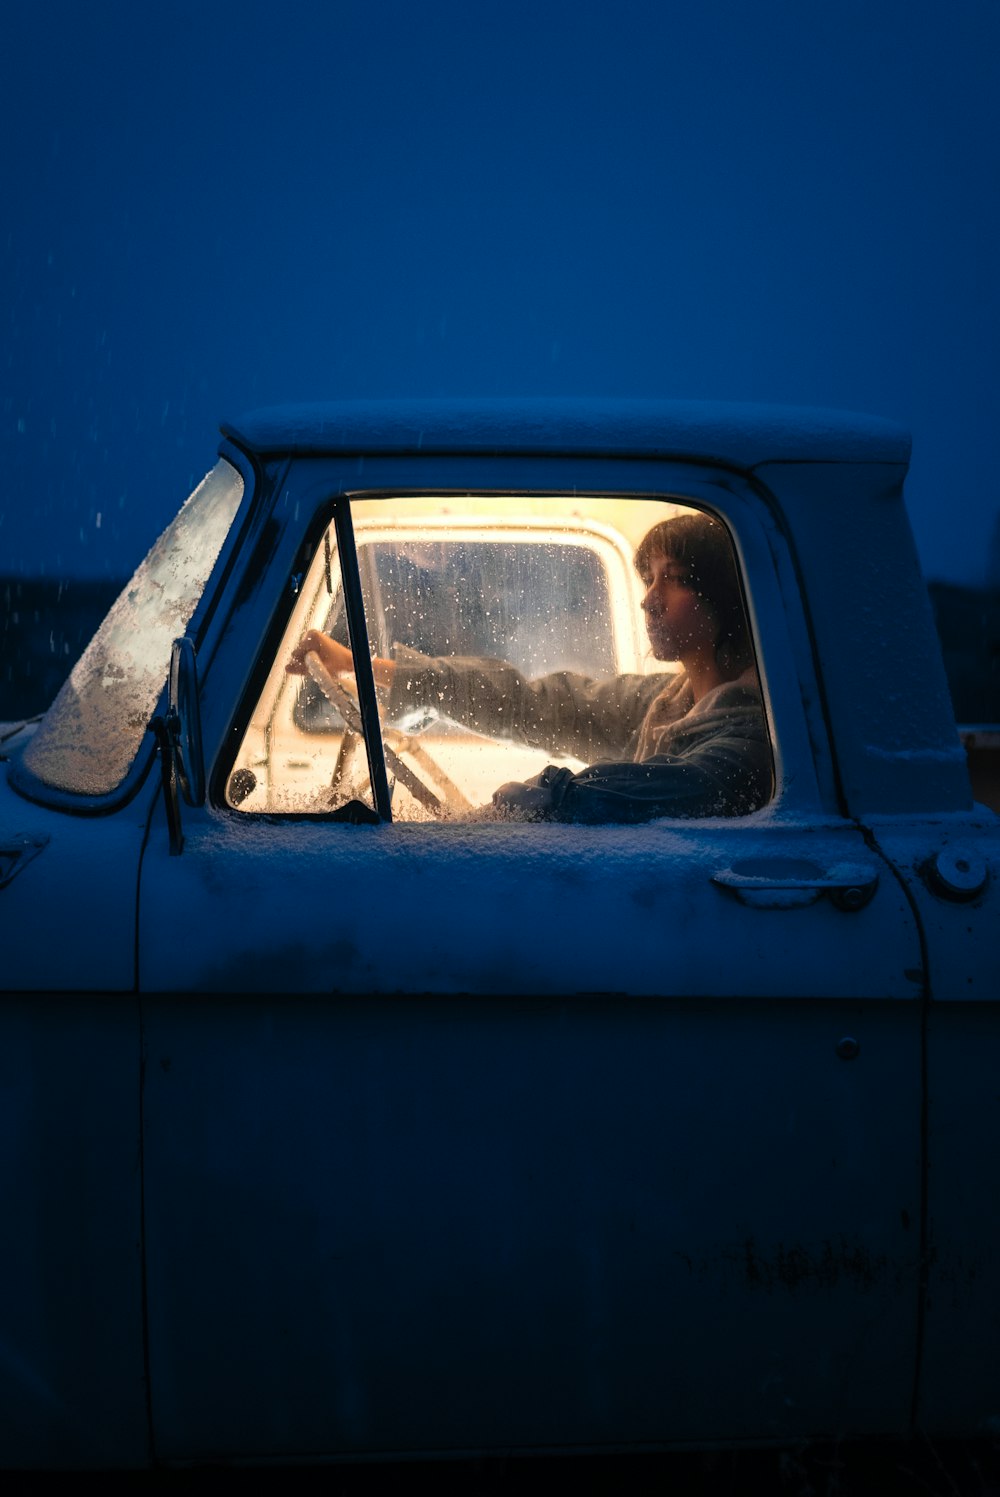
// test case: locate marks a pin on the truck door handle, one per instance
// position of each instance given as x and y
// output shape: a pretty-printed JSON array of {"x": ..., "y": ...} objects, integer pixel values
[{"x": 790, "y": 883}]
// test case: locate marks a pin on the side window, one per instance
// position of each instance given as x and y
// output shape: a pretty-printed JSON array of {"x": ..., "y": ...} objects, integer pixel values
[
  {"x": 295, "y": 759},
  {"x": 555, "y": 658}
]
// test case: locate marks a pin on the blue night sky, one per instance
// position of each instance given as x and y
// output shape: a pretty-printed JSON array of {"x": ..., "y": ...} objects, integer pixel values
[{"x": 220, "y": 205}]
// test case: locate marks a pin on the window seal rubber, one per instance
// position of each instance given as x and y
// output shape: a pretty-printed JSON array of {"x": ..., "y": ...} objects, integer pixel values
[{"x": 363, "y": 670}]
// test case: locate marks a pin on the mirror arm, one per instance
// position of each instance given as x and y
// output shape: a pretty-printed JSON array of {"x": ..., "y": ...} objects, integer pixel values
[
  {"x": 168, "y": 780},
  {"x": 184, "y": 722}
]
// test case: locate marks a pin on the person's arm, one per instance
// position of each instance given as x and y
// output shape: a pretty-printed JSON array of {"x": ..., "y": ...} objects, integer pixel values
[
  {"x": 719, "y": 768},
  {"x": 563, "y": 713}
]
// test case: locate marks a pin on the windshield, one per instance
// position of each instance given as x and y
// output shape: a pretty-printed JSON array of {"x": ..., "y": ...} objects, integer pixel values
[{"x": 92, "y": 732}]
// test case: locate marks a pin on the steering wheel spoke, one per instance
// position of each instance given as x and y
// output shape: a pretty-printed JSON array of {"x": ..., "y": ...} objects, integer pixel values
[{"x": 337, "y": 694}]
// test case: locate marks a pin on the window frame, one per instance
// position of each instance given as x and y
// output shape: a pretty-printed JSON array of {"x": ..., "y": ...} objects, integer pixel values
[{"x": 334, "y": 508}]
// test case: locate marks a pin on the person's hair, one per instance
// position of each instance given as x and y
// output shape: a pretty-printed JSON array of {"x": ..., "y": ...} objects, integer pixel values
[{"x": 701, "y": 548}]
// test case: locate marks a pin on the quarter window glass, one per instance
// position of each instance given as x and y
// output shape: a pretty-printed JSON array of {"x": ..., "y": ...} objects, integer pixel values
[
  {"x": 526, "y": 667},
  {"x": 90, "y": 735},
  {"x": 304, "y": 752}
]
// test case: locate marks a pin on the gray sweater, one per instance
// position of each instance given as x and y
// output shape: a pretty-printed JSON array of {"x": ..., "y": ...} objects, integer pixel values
[{"x": 653, "y": 751}]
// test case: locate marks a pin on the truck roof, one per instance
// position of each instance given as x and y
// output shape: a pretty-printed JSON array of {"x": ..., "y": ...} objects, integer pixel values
[{"x": 736, "y": 435}]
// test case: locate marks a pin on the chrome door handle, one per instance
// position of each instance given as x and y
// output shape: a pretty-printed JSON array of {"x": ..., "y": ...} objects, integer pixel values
[{"x": 790, "y": 883}]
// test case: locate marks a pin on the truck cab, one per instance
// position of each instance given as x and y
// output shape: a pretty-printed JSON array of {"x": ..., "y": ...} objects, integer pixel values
[{"x": 463, "y": 1131}]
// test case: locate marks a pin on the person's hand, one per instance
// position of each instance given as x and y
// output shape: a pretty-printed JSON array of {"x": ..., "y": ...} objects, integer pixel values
[{"x": 337, "y": 658}]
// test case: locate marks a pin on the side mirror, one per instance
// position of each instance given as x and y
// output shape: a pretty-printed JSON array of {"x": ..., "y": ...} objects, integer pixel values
[{"x": 184, "y": 722}]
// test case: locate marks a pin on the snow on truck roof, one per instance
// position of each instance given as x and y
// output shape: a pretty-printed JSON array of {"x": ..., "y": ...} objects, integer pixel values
[{"x": 737, "y": 435}]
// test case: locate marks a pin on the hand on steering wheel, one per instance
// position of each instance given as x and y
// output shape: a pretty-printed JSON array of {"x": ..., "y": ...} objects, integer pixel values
[
  {"x": 337, "y": 658},
  {"x": 334, "y": 691}
]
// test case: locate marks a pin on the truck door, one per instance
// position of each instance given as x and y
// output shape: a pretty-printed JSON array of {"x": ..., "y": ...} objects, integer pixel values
[
  {"x": 951, "y": 866},
  {"x": 465, "y": 1133}
]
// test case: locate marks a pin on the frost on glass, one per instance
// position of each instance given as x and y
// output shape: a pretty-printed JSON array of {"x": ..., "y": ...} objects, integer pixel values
[
  {"x": 280, "y": 769},
  {"x": 579, "y": 658},
  {"x": 541, "y": 605},
  {"x": 545, "y": 583},
  {"x": 535, "y": 600},
  {"x": 516, "y": 660},
  {"x": 92, "y": 732}
]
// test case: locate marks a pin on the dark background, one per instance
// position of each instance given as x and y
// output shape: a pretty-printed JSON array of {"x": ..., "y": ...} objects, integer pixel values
[
  {"x": 214, "y": 206},
  {"x": 219, "y": 205}
]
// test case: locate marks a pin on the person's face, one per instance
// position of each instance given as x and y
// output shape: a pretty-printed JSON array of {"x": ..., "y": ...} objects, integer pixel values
[{"x": 679, "y": 622}]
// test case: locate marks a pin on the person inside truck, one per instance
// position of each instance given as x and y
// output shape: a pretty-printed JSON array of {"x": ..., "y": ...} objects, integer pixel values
[{"x": 690, "y": 744}]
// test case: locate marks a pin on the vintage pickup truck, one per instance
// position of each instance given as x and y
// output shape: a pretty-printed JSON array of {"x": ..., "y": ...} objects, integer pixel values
[{"x": 348, "y": 1112}]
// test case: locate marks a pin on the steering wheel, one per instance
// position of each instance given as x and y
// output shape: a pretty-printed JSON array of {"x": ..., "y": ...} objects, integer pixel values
[
  {"x": 343, "y": 767},
  {"x": 338, "y": 695}
]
